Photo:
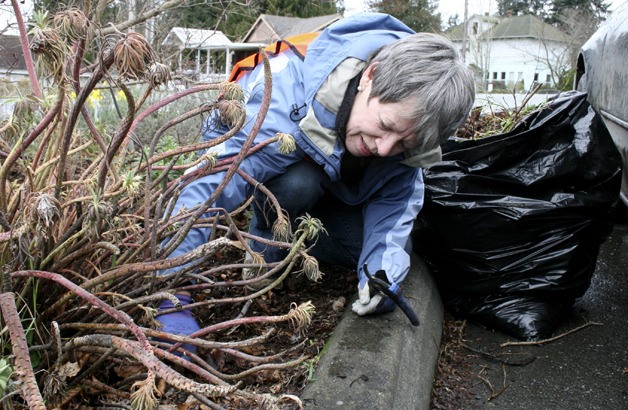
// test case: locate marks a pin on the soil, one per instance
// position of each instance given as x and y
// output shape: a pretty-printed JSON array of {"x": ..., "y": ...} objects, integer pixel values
[
  {"x": 455, "y": 379},
  {"x": 455, "y": 382},
  {"x": 330, "y": 296}
]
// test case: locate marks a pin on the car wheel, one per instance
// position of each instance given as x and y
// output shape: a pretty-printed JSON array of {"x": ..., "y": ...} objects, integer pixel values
[{"x": 582, "y": 83}]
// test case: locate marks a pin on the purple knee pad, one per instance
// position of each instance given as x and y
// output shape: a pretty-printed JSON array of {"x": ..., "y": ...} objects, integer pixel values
[{"x": 178, "y": 323}]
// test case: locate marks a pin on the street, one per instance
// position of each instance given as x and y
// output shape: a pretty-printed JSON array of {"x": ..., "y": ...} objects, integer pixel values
[{"x": 586, "y": 369}]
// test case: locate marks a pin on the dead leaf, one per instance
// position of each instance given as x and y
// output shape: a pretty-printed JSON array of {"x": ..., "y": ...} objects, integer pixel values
[{"x": 69, "y": 369}]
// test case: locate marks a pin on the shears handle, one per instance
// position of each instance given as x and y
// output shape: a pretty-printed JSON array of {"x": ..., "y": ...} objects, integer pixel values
[{"x": 398, "y": 298}]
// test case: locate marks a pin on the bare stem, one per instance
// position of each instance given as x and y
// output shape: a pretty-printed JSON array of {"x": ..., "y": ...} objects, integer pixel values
[
  {"x": 23, "y": 366},
  {"x": 26, "y": 51},
  {"x": 93, "y": 300}
]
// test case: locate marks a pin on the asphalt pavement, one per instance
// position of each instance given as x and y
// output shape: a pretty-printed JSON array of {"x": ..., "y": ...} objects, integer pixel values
[
  {"x": 383, "y": 362},
  {"x": 586, "y": 369}
]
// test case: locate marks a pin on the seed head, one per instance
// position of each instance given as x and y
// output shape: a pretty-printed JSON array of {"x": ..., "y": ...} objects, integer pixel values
[
  {"x": 209, "y": 158},
  {"x": 157, "y": 74},
  {"x": 143, "y": 396},
  {"x": 286, "y": 143},
  {"x": 72, "y": 24},
  {"x": 45, "y": 208},
  {"x": 53, "y": 50},
  {"x": 231, "y": 91},
  {"x": 281, "y": 228},
  {"x": 132, "y": 54},
  {"x": 231, "y": 112},
  {"x": 311, "y": 269},
  {"x": 301, "y": 316}
]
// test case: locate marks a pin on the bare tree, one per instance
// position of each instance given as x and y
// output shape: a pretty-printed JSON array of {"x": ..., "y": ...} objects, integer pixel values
[{"x": 560, "y": 59}]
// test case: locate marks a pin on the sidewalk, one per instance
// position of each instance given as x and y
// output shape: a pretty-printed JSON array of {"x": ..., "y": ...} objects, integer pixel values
[{"x": 382, "y": 362}]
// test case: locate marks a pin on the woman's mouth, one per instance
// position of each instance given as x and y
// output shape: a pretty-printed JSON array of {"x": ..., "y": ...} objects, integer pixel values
[{"x": 364, "y": 149}]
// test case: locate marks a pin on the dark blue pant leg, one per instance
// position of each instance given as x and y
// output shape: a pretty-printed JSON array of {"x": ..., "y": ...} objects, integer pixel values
[
  {"x": 300, "y": 190},
  {"x": 344, "y": 225},
  {"x": 296, "y": 190}
]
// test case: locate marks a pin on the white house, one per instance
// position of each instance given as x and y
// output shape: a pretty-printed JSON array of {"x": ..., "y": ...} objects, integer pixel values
[
  {"x": 211, "y": 52},
  {"x": 209, "y": 55},
  {"x": 513, "y": 52},
  {"x": 269, "y": 28}
]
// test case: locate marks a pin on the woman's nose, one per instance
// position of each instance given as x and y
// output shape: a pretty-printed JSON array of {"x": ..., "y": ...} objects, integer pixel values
[{"x": 385, "y": 145}]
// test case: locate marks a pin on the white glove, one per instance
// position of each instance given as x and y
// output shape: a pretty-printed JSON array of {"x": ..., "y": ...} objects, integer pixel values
[{"x": 369, "y": 304}]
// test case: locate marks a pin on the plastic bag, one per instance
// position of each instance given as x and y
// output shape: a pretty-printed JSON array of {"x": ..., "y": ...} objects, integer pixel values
[{"x": 512, "y": 223}]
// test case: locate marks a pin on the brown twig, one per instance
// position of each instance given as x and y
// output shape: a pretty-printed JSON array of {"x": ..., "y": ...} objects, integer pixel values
[
  {"x": 551, "y": 339},
  {"x": 523, "y": 362},
  {"x": 26, "y": 51},
  {"x": 171, "y": 376},
  {"x": 23, "y": 366},
  {"x": 19, "y": 150},
  {"x": 263, "y": 110},
  {"x": 495, "y": 394},
  {"x": 105, "y": 63},
  {"x": 204, "y": 251},
  {"x": 93, "y": 300},
  {"x": 118, "y": 138}
]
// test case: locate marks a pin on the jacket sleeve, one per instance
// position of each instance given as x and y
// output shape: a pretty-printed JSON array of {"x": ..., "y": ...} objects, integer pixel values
[
  {"x": 388, "y": 220},
  {"x": 262, "y": 165}
]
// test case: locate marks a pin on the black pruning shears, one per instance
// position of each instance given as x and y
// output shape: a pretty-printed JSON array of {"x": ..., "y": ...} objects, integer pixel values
[{"x": 383, "y": 287}]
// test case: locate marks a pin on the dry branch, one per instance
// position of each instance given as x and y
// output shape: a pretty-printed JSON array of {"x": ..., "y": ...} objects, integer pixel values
[{"x": 23, "y": 366}]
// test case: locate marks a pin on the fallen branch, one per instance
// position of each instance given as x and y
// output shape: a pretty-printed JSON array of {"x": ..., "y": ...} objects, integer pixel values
[
  {"x": 551, "y": 339},
  {"x": 522, "y": 362}
]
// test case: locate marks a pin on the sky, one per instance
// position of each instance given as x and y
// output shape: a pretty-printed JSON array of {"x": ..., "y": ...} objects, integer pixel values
[
  {"x": 450, "y": 7},
  {"x": 446, "y": 8}
]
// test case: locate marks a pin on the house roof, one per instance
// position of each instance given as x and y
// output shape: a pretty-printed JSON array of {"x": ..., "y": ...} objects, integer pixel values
[
  {"x": 282, "y": 27},
  {"x": 526, "y": 26},
  {"x": 11, "y": 57},
  {"x": 455, "y": 32},
  {"x": 196, "y": 38}
]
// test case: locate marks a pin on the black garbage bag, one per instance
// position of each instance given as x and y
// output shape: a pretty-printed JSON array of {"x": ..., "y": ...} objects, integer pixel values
[{"x": 512, "y": 223}]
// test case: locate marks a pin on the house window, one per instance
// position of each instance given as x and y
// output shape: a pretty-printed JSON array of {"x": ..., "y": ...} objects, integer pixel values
[
  {"x": 536, "y": 76},
  {"x": 520, "y": 76},
  {"x": 511, "y": 76},
  {"x": 548, "y": 78},
  {"x": 503, "y": 75},
  {"x": 495, "y": 75},
  {"x": 475, "y": 28}
]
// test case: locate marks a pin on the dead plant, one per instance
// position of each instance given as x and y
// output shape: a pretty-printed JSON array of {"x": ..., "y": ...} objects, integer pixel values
[{"x": 82, "y": 217}]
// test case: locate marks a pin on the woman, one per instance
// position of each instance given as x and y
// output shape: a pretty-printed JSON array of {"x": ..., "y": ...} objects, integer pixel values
[{"x": 368, "y": 106}]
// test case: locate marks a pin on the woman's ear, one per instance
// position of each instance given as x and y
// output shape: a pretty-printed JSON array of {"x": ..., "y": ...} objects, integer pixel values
[{"x": 367, "y": 75}]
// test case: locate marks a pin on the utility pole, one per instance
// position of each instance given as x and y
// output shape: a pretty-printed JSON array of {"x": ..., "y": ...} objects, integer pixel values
[{"x": 464, "y": 31}]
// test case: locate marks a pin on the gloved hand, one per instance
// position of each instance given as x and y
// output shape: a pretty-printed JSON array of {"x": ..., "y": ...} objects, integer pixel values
[
  {"x": 179, "y": 323},
  {"x": 370, "y": 301}
]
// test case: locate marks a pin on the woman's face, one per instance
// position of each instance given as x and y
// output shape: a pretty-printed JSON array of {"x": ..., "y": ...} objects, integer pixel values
[{"x": 377, "y": 129}]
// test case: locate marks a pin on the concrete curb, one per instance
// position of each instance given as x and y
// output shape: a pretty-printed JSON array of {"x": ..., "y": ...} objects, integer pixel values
[{"x": 382, "y": 362}]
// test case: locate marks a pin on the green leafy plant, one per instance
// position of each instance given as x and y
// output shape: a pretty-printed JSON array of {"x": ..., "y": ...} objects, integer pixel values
[{"x": 5, "y": 374}]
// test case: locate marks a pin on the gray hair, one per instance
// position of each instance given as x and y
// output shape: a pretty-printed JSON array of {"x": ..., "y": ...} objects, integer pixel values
[{"x": 427, "y": 69}]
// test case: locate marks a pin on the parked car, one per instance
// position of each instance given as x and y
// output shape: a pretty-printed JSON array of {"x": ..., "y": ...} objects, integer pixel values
[{"x": 602, "y": 71}]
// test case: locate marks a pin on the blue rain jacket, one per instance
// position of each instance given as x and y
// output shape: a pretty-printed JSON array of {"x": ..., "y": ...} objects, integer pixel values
[{"x": 305, "y": 98}]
